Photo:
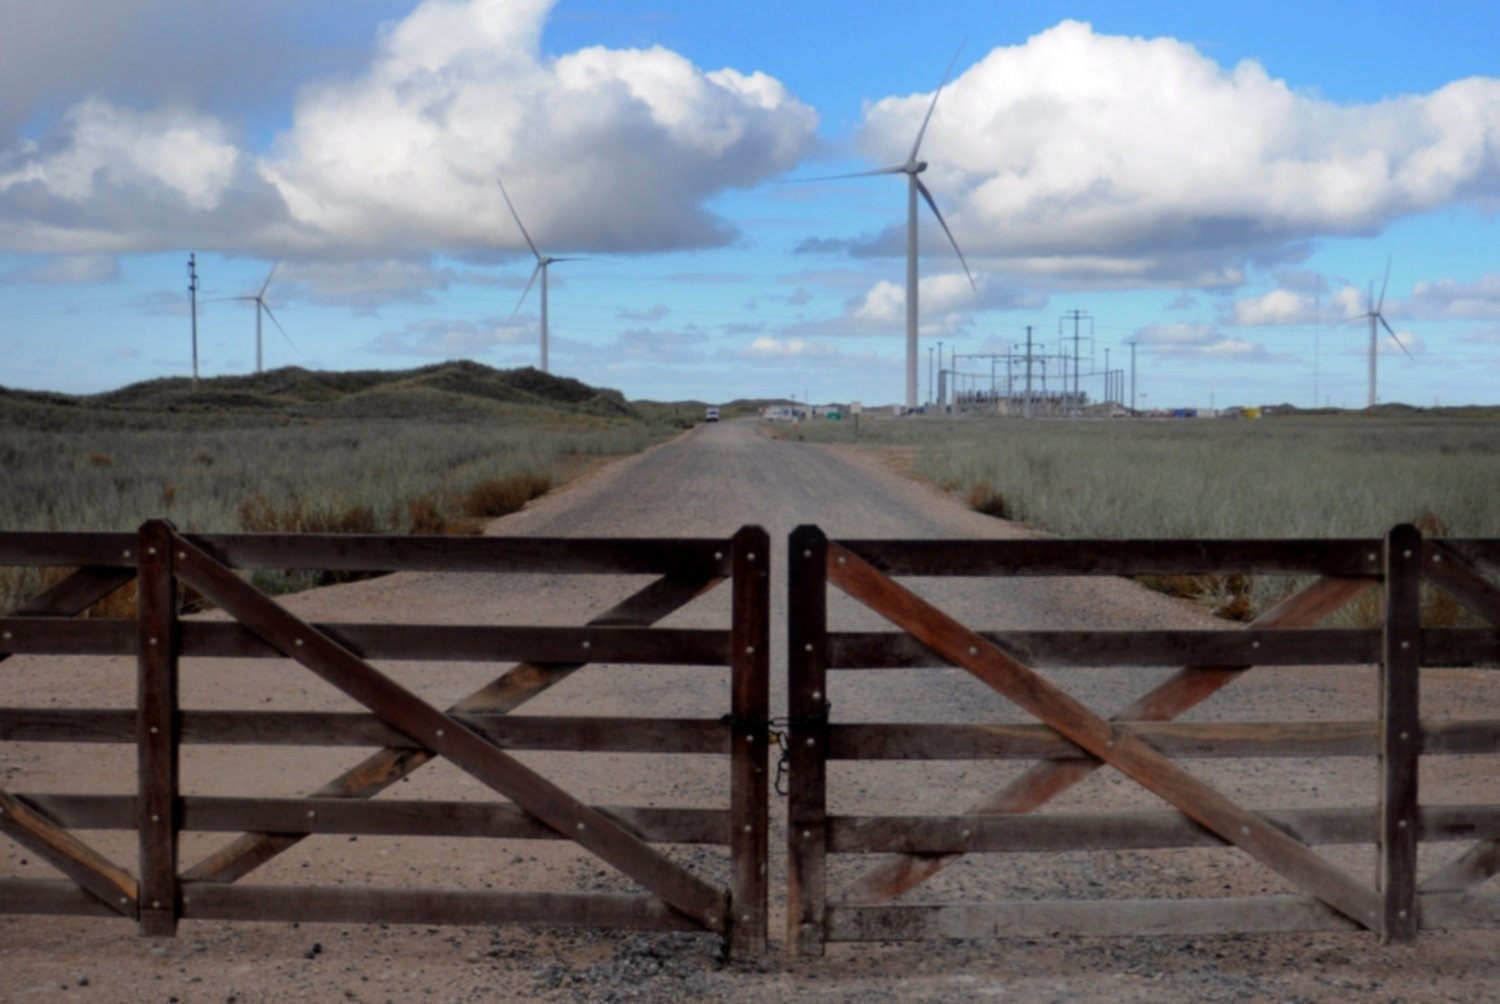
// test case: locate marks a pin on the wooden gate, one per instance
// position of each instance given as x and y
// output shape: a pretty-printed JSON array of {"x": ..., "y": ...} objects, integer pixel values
[
  {"x": 1139, "y": 741},
  {"x": 474, "y": 734}
]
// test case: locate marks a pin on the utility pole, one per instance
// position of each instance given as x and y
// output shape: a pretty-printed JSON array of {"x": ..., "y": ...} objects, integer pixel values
[
  {"x": 929, "y": 375},
  {"x": 1108, "y": 396},
  {"x": 1028, "y": 371},
  {"x": 1077, "y": 317},
  {"x": 1132, "y": 378},
  {"x": 193, "y": 299},
  {"x": 942, "y": 393}
]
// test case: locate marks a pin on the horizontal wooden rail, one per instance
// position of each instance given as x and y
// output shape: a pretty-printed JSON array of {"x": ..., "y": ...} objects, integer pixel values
[
  {"x": 1056, "y": 831},
  {"x": 1261, "y": 647},
  {"x": 1086, "y": 918},
  {"x": 425, "y": 642},
  {"x": 688, "y": 557},
  {"x": 56, "y": 897},
  {"x": 1354, "y": 558},
  {"x": 338, "y": 904},
  {"x": 586, "y": 734},
  {"x": 213, "y": 813},
  {"x": 1189, "y": 740}
]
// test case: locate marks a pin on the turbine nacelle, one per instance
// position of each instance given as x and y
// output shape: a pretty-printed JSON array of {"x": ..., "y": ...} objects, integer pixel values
[{"x": 914, "y": 167}]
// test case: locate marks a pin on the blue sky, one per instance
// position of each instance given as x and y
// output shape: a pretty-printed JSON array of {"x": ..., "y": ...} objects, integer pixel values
[{"x": 1217, "y": 183}]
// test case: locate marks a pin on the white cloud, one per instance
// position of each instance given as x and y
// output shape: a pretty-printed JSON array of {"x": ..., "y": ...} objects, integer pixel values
[
  {"x": 946, "y": 300},
  {"x": 1203, "y": 343},
  {"x": 1109, "y": 156},
  {"x": 612, "y": 150},
  {"x": 1447, "y": 298},
  {"x": 368, "y": 285},
  {"x": 767, "y": 347}
]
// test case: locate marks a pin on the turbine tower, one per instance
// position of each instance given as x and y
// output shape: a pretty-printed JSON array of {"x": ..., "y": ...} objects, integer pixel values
[
  {"x": 1377, "y": 321},
  {"x": 261, "y": 306},
  {"x": 542, "y": 263},
  {"x": 914, "y": 187}
]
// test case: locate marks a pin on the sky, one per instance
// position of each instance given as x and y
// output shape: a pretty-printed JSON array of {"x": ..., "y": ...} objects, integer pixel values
[{"x": 1222, "y": 186}]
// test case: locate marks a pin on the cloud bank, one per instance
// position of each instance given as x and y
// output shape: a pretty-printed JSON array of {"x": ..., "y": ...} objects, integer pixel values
[
  {"x": 601, "y": 149},
  {"x": 1133, "y": 160}
]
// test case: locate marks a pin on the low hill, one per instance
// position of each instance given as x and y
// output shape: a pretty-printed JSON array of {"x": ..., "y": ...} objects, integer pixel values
[{"x": 452, "y": 391}]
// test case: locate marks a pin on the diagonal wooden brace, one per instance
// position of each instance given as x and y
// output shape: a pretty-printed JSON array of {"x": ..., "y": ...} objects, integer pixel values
[
  {"x": 450, "y": 738},
  {"x": 96, "y": 874},
  {"x": 1449, "y": 571},
  {"x": 73, "y": 595},
  {"x": 1131, "y": 756},
  {"x": 1044, "y": 781},
  {"x": 383, "y": 768}
]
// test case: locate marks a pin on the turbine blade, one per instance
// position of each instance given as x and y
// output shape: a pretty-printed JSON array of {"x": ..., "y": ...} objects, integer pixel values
[
  {"x": 1381, "y": 302},
  {"x": 554, "y": 261},
  {"x": 529, "y": 283},
  {"x": 840, "y": 177},
  {"x": 923, "y": 131},
  {"x": 517, "y": 217},
  {"x": 267, "y": 284},
  {"x": 1395, "y": 338},
  {"x": 266, "y": 307},
  {"x": 933, "y": 206}
]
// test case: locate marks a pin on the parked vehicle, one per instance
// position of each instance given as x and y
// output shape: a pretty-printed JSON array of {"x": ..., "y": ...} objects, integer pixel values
[{"x": 713, "y": 414}]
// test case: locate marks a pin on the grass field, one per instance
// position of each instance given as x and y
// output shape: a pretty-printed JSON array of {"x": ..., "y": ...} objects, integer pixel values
[
  {"x": 435, "y": 450},
  {"x": 1325, "y": 476}
]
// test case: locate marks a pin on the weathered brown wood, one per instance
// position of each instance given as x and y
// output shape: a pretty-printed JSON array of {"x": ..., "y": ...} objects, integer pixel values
[
  {"x": 1087, "y": 919},
  {"x": 475, "y": 643},
  {"x": 880, "y": 650},
  {"x": 338, "y": 904},
  {"x": 66, "y": 636},
  {"x": 1460, "y": 647},
  {"x": 156, "y": 728},
  {"x": 1459, "y": 911},
  {"x": 109, "y": 883},
  {"x": 807, "y": 735},
  {"x": 339, "y": 728},
  {"x": 75, "y": 594},
  {"x": 1400, "y": 740},
  {"x": 750, "y": 685},
  {"x": 53, "y": 550},
  {"x": 206, "y": 813},
  {"x": 502, "y": 695},
  {"x": 50, "y": 896},
  {"x": 1177, "y": 694},
  {"x": 68, "y": 598},
  {"x": 681, "y": 557},
  {"x": 1471, "y": 869},
  {"x": 451, "y": 739},
  {"x": 1030, "y": 742},
  {"x": 1057, "y": 831},
  {"x": 1132, "y": 757},
  {"x": 1119, "y": 557},
  {"x": 1447, "y": 569}
]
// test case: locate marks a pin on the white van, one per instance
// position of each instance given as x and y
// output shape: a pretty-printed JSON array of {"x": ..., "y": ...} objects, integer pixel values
[{"x": 713, "y": 414}]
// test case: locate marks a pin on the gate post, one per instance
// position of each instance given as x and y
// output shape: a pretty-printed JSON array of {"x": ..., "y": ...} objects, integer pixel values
[
  {"x": 157, "y": 728},
  {"x": 750, "y": 665},
  {"x": 1400, "y": 732},
  {"x": 807, "y": 735}
]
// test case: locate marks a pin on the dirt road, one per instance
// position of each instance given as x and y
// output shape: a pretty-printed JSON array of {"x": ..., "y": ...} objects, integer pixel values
[{"x": 710, "y": 482}]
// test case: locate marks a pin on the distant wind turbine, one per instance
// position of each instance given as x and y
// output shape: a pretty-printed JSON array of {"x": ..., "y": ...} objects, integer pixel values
[
  {"x": 261, "y": 306},
  {"x": 1377, "y": 321},
  {"x": 542, "y": 262},
  {"x": 912, "y": 168}
]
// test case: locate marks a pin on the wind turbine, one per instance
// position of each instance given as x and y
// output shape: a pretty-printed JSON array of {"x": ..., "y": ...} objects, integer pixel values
[
  {"x": 1377, "y": 321},
  {"x": 261, "y": 306},
  {"x": 542, "y": 262},
  {"x": 914, "y": 187}
]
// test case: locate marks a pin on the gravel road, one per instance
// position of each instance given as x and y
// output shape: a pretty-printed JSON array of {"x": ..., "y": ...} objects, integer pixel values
[{"x": 709, "y": 482}]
